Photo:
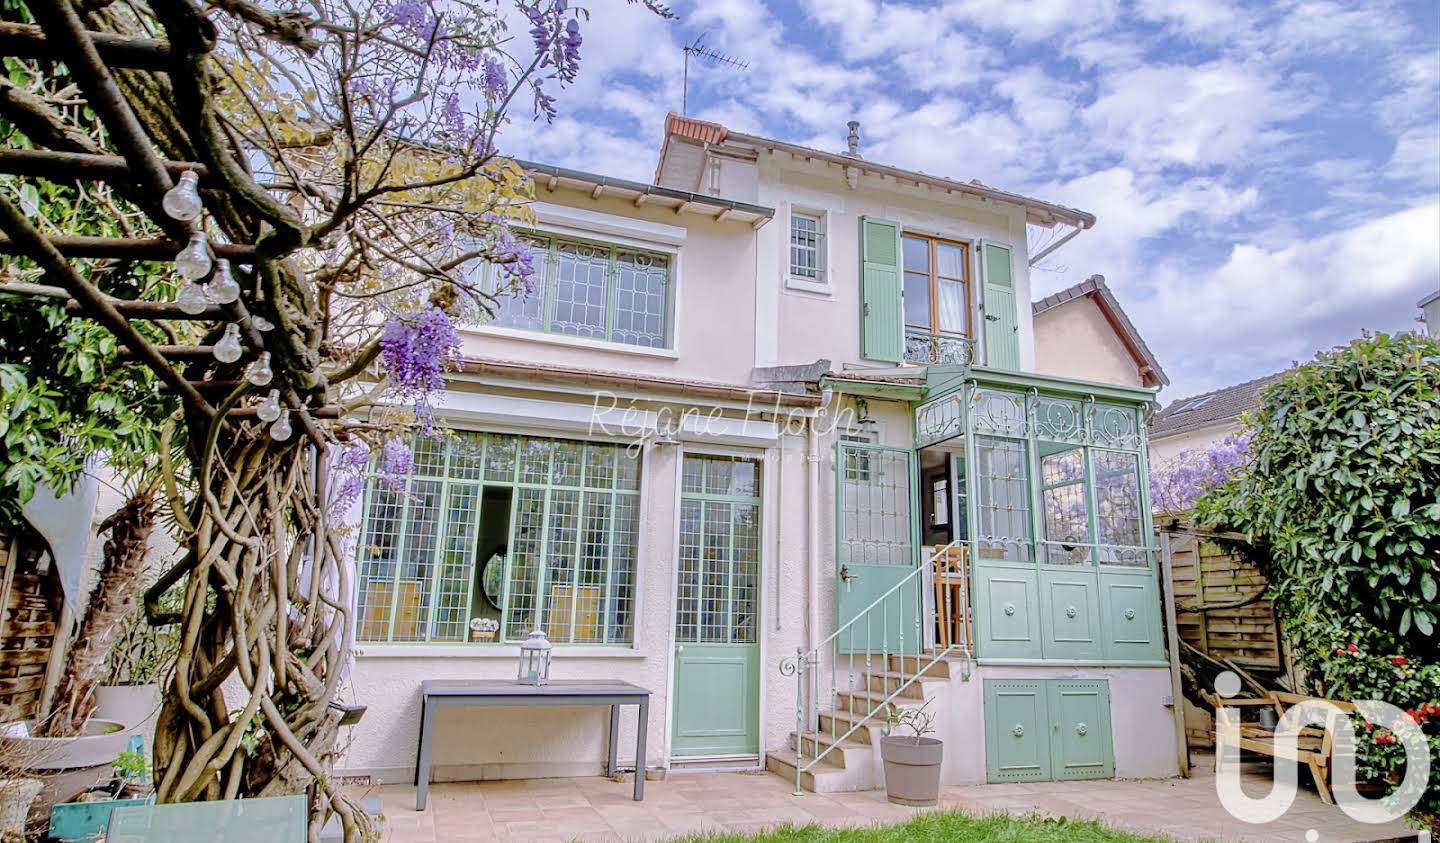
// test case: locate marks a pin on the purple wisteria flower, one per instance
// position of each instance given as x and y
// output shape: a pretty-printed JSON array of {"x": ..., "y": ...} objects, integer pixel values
[
  {"x": 496, "y": 81},
  {"x": 396, "y": 463},
  {"x": 1177, "y": 484},
  {"x": 348, "y": 465},
  {"x": 413, "y": 15},
  {"x": 416, "y": 347},
  {"x": 514, "y": 258}
]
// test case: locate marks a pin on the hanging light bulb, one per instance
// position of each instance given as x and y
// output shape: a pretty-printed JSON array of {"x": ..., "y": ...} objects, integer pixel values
[
  {"x": 261, "y": 324},
  {"x": 193, "y": 261},
  {"x": 280, "y": 430},
  {"x": 182, "y": 202},
  {"x": 269, "y": 408},
  {"x": 222, "y": 287},
  {"x": 191, "y": 298},
  {"x": 259, "y": 372},
  {"x": 227, "y": 350}
]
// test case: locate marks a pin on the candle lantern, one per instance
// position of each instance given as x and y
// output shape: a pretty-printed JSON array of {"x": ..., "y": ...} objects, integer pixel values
[{"x": 534, "y": 659}]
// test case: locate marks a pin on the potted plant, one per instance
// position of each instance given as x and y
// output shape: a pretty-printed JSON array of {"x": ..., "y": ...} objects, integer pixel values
[
  {"x": 19, "y": 786},
  {"x": 142, "y": 656},
  {"x": 912, "y": 761}
]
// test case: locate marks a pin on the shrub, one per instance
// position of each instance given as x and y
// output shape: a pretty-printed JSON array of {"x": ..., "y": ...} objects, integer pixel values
[{"x": 1340, "y": 489}]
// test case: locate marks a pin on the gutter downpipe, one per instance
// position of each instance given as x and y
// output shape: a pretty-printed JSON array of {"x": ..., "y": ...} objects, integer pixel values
[{"x": 812, "y": 502}]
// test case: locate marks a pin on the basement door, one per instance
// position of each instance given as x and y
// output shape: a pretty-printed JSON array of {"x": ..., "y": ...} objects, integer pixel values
[
  {"x": 716, "y": 697},
  {"x": 877, "y": 534}
]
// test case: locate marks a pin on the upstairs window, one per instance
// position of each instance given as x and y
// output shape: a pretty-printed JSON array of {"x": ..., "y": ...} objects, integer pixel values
[
  {"x": 936, "y": 299},
  {"x": 807, "y": 246},
  {"x": 593, "y": 290}
]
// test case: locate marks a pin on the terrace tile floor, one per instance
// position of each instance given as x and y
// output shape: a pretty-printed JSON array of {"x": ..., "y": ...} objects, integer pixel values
[{"x": 598, "y": 809}]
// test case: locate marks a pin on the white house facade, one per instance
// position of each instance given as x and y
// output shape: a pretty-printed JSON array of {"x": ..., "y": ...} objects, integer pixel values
[{"x": 768, "y": 439}]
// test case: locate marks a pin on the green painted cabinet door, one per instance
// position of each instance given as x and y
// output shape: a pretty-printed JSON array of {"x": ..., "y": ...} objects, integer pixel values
[
  {"x": 1080, "y": 741},
  {"x": 882, "y": 319},
  {"x": 1007, "y": 612},
  {"x": 876, "y": 548},
  {"x": 1070, "y": 613},
  {"x": 1130, "y": 616},
  {"x": 1017, "y": 739},
  {"x": 1002, "y": 332},
  {"x": 717, "y": 699}
]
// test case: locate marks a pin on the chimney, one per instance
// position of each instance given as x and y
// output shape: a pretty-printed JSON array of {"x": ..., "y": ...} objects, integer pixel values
[{"x": 854, "y": 140}]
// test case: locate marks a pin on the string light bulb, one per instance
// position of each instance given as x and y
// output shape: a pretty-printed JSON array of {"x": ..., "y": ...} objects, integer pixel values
[
  {"x": 182, "y": 202},
  {"x": 269, "y": 408},
  {"x": 227, "y": 350},
  {"x": 193, "y": 261},
  {"x": 261, "y": 324},
  {"x": 280, "y": 430},
  {"x": 191, "y": 298},
  {"x": 223, "y": 287},
  {"x": 259, "y": 372}
]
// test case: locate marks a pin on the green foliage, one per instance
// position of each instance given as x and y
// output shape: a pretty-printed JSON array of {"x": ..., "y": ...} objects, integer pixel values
[
  {"x": 1341, "y": 493},
  {"x": 64, "y": 393},
  {"x": 132, "y": 765},
  {"x": 950, "y": 826}
]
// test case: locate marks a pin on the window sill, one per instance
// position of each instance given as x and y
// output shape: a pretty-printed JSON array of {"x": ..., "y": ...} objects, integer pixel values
[
  {"x": 460, "y": 650},
  {"x": 572, "y": 342},
  {"x": 803, "y": 285}
]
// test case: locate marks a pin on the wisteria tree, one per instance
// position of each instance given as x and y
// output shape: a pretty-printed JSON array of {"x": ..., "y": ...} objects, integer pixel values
[
  {"x": 329, "y": 176},
  {"x": 1176, "y": 484}
]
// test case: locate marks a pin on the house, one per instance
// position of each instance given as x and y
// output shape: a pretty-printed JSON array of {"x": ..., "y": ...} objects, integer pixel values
[
  {"x": 1430, "y": 312},
  {"x": 1082, "y": 332},
  {"x": 1196, "y": 422},
  {"x": 769, "y": 438}
]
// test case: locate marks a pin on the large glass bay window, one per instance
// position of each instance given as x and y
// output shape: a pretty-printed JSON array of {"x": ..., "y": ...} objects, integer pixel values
[
  {"x": 493, "y": 535},
  {"x": 593, "y": 290}
]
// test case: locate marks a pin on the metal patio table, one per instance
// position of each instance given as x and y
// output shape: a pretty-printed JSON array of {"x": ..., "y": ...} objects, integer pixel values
[{"x": 456, "y": 693}]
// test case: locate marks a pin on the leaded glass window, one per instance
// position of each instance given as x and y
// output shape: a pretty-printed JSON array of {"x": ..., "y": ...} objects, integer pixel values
[
  {"x": 807, "y": 246},
  {"x": 1065, "y": 505},
  {"x": 1117, "y": 508},
  {"x": 591, "y": 289},
  {"x": 1001, "y": 486},
  {"x": 565, "y": 518},
  {"x": 719, "y": 571}
]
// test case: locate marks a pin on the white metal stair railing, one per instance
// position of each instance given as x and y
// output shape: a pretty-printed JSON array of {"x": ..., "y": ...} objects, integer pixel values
[{"x": 863, "y": 638}]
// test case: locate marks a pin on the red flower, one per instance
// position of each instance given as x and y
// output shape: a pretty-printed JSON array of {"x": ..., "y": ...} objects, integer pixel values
[
  {"x": 1415, "y": 717},
  {"x": 1399, "y": 661},
  {"x": 1352, "y": 648}
]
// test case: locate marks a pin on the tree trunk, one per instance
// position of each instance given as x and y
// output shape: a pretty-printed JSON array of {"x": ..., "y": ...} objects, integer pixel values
[{"x": 110, "y": 605}]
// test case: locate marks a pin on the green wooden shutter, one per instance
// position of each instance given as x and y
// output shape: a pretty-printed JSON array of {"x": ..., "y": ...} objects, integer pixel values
[
  {"x": 882, "y": 320},
  {"x": 1002, "y": 335}
]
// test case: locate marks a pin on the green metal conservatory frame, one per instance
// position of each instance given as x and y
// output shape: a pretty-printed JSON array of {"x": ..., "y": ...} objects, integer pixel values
[{"x": 1062, "y": 563}]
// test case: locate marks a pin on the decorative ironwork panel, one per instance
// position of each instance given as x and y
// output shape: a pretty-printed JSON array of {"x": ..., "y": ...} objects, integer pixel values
[
  {"x": 1059, "y": 420},
  {"x": 939, "y": 349},
  {"x": 875, "y": 515},
  {"x": 1115, "y": 426},
  {"x": 938, "y": 420},
  {"x": 998, "y": 411}
]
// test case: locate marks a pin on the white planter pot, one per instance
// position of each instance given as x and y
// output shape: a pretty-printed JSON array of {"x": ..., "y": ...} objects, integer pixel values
[
  {"x": 15, "y": 798},
  {"x": 99, "y": 744},
  {"x": 135, "y": 707}
]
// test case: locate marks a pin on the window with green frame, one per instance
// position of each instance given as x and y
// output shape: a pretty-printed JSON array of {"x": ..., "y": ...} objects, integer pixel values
[
  {"x": 564, "y": 515},
  {"x": 1088, "y": 491},
  {"x": 719, "y": 571},
  {"x": 592, "y": 289}
]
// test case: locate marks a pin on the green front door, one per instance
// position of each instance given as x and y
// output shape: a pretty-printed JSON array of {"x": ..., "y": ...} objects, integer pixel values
[
  {"x": 717, "y": 625},
  {"x": 876, "y": 548}
]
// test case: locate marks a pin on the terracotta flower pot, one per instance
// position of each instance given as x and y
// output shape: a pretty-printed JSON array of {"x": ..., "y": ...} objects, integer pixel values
[{"x": 912, "y": 769}]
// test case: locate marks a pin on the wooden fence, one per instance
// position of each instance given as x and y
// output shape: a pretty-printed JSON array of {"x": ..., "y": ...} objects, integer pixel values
[{"x": 29, "y": 614}]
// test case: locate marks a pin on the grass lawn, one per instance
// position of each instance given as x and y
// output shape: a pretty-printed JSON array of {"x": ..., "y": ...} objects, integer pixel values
[{"x": 947, "y": 826}]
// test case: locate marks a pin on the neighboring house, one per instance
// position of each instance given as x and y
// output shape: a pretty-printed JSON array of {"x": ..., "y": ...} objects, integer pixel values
[
  {"x": 1430, "y": 313},
  {"x": 1082, "y": 332},
  {"x": 1194, "y": 423},
  {"x": 745, "y": 407}
]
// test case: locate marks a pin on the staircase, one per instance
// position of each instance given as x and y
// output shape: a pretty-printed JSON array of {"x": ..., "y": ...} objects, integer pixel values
[
  {"x": 841, "y": 699},
  {"x": 852, "y": 762}
]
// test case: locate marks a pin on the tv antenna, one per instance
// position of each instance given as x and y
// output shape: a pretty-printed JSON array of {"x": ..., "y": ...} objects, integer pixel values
[{"x": 701, "y": 52}]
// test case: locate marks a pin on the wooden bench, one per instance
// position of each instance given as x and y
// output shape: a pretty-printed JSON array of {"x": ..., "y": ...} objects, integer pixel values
[{"x": 1314, "y": 746}]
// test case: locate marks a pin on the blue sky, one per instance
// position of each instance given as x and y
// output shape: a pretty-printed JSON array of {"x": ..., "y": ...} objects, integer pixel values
[{"x": 1266, "y": 176}]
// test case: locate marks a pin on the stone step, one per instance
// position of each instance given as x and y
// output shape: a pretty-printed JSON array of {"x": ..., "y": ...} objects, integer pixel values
[
  {"x": 917, "y": 690},
  {"x": 847, "y": 753},
  {"x": 842, "y": 721},
  {"x": 822, "y": 778},
  {"x": 860, "y": 701},
  {"x": 908, "y": 664}
]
